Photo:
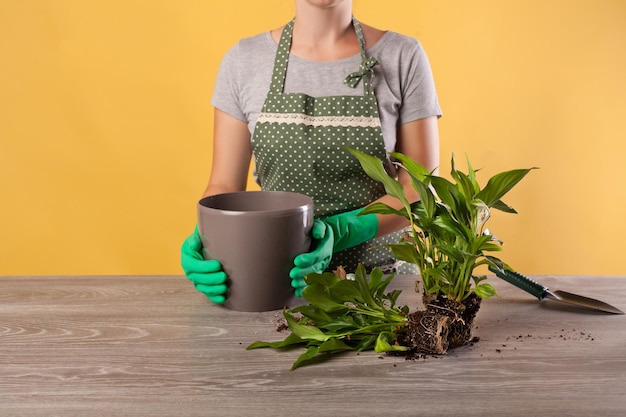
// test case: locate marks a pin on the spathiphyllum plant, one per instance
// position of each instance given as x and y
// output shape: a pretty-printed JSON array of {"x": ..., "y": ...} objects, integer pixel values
[
  {"x": 344, "y": 315},
  {"x": 447, "y": 240}
]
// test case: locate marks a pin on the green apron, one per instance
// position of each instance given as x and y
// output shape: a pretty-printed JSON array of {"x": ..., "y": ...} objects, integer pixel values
[{"x": 297, "y": 146}]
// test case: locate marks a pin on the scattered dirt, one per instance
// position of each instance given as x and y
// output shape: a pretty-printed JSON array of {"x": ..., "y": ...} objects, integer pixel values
[
  {"x": 281, "y": 326},
  {"x": 280, "y": 322},
  {"x": 415, "y": 356},
  {"x": 563, "y": 334}
]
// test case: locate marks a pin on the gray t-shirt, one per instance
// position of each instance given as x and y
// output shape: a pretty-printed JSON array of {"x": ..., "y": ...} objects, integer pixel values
[{"x": 403, "y": 82}]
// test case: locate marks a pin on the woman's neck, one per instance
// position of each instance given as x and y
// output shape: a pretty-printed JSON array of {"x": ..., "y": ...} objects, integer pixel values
[{"x": 323, "y": 30}]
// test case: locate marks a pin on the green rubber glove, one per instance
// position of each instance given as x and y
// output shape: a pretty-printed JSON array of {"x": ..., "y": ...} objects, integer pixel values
[
  {"x": 331, "y": 235},
  {"x": 351, "y": 229},
  {"x": 315, "y": 261},
  {"x": 207, "y": 275}
]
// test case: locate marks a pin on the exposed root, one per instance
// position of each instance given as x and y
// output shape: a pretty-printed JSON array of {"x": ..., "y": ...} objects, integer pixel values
[{"x": 444, "y": 324}]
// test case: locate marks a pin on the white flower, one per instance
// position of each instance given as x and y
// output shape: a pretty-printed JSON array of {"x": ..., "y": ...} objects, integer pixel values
[{"x": 482, "y": 215}]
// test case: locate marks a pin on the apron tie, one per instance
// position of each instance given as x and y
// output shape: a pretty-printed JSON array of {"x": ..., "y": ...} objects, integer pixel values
[{"x": 367, "y": 67}]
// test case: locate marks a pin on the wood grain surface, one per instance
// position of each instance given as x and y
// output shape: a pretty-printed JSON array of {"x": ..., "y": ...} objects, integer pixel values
[{"x": 153, "y": 346}]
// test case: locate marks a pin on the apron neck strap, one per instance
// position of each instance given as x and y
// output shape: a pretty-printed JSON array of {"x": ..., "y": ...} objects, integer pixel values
[
  {"x": 282, "y": 57},
  {"x": 359, "y": 35}
]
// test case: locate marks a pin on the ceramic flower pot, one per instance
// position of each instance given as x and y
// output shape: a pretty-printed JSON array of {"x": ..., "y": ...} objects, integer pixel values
[{"x": 256, "y": 235}]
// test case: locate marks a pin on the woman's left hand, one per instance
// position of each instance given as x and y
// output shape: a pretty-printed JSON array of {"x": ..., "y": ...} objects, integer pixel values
[{"x": 315, "y": 261}]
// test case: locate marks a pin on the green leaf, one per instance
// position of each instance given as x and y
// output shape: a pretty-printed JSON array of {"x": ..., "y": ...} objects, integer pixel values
[
  {"x": 260, "y": 344},
  {"x": 502, "y": 206},
  {"x": 376, "y": 277},
  {"x": 480, "y": 243},
  {"x": 454, "y": 227},
  {"x": 451, "y": 252},
  {"x": 405, "y": 252},
  {"x": 471, "y": 174},
  {"x": 493, "y": 261},
  {"x": 446, "y": 191},
  {"x": 382, "y": 208},
  {"x": 320, "y": 296},
  {"x": 416, "y": 170},
  {"x": 381, "y": 285},
  {"x": 393, "y": 297},
  {"x": 346, "y": 291},
  {"x": 491, "y": 247},
  {"x": 384, "y": 343},
  {"x": 420, "y": 177},
  {"x": 500, "y": 184},
  {"x": 359, "y": 278},
  {"x": 426, "y": 197},
  {"x": 304, "y": 331},
  {"x": 334, "y": 344},
  {"x": 374, "y": 168},
  {"x": 485, "y": 290},
  {"x": 325, "y": 279},
  {"x": 340, "y": 325},
  {"x": 478, "y": 279},
  {"x": 314, "y": 313},
  {"x": 367, "y": 343},
  {"x": 310, "y": 353},
  {"x": 465, "y": 184},
  {"x": 290, "y": 341}
]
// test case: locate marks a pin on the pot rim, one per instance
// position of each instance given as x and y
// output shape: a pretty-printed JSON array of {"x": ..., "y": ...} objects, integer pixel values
[{"x": 301, "y": 203}]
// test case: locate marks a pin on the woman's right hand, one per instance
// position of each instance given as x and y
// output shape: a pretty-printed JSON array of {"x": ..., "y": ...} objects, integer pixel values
[{"x": 207, "y": 276}]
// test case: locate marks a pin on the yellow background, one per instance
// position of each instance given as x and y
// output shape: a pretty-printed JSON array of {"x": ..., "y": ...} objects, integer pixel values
[{"x": 105, "y": 122}]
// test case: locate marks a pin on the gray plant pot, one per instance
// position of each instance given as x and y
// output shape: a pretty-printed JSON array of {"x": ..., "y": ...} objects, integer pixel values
[{"x": 256, "y": 235}]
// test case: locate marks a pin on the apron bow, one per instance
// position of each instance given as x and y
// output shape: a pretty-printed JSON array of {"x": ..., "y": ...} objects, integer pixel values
[{"x": 366, "y": 67}]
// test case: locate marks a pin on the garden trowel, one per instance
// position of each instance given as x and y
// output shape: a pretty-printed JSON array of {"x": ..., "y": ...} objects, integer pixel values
[{"x": 541, "y": 292}]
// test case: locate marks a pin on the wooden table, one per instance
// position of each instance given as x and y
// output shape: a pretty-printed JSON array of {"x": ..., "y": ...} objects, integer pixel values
[{"x": 153, "y": 346}]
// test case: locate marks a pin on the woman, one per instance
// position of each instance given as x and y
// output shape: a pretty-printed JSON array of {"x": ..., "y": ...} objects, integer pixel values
[{"x": 292, "y": 98}]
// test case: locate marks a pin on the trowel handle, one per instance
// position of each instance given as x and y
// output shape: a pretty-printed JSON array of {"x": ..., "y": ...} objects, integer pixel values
[{"x": 521, "y": 281}]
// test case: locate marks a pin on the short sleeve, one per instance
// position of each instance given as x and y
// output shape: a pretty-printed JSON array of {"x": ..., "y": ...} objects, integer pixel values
[
  {"x": 227, "y": 89},
  {"x": 419, "y": 95}
]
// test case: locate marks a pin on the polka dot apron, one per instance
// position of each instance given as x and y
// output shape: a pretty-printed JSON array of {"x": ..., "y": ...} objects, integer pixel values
[{"x": 297, "y": 146}]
